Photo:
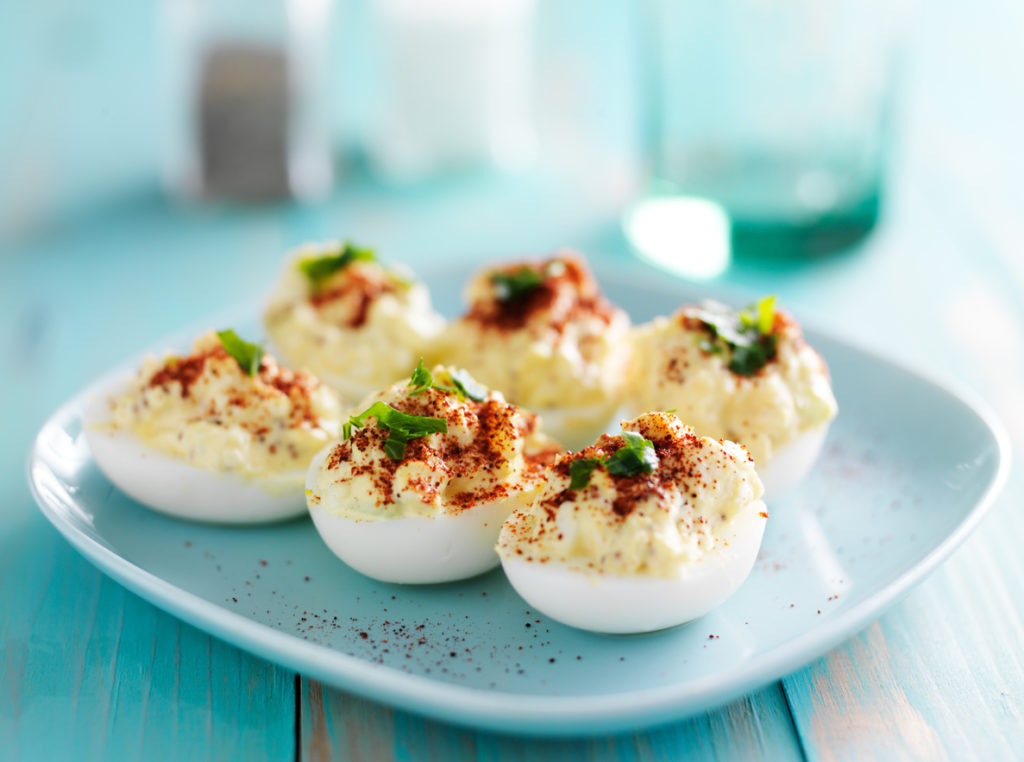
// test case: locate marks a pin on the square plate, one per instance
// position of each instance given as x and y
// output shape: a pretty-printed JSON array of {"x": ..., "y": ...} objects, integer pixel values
[{"x": 907, "y": 472}]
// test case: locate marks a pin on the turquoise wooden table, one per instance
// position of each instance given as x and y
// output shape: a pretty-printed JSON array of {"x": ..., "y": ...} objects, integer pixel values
[{"x": 88, "y": 670}]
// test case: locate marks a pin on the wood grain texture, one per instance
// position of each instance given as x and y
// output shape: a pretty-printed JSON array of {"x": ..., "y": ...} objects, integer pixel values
[
  {"x": 942, "y": 675},
  {"x": 939, "y": 677},
  {"x": 87, "y": 669},
  {"x": 338, "y": 726},
  {"x": 90, "y": 671}
]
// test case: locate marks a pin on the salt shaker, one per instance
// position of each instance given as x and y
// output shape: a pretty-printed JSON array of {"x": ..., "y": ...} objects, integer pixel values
[{"x": 246, "y": 117}]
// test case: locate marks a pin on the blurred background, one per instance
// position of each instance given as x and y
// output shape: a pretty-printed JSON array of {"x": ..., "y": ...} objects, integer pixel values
[{"x": 709, "y": 138}]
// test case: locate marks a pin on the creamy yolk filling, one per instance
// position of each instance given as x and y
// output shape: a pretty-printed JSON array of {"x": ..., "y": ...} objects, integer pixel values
[
  {"x": 650, "y": 524},
  {"x": 337, "y": 326},
  {"x": 676, "y": 368},
  {"x": 206, "y": 410},
  {"x": 491, "y": 451},
  {"x": 555, "y": 342}
]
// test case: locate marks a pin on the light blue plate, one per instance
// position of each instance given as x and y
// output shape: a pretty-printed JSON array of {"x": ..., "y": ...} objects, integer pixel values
[{"x": 907, "y": 472}]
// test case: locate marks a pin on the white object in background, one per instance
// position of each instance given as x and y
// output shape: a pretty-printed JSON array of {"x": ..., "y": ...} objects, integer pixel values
[{"x": 456, "y": 87}]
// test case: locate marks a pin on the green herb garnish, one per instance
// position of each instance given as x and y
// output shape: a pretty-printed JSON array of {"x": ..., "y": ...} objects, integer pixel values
[
  {"x": 469, "y": 386},
  {"x": 463, "y": 384},
  {"x": 319, "y": 269},
  {"x": 765, "y": 314},
  {"x": 580, "y": 471},
  {"x": 515, "y": 284},
  {"x": 747, "y": 361},
  {"x": 636, "y": 456},
  {"x": 709, "y": 346},
  {"x": 421, "y": 379},
  {"x": 401, "y": 427},
  {"x": 248, "y": 356},
  {"x": 747, "y": 335}
]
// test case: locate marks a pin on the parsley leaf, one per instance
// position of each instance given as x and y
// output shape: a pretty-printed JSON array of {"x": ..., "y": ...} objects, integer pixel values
[
  {"x": 580, "y": 471},
  {"x": 394, "y": 445},
  {"x": 401, "y": 426},
  {"x": 747, "y": 335},
  {"x": 517, "y": 283},
  {"x": 248, "y": 356},
  {"x": 463, "y": 384},
  {"x": 635, "y": 457},
  {"x": 748, "y": 360},
  {"x": 422, "y": 379},
  {"x": 468, "y": 385},
  {"x": 319, "y": 269}
]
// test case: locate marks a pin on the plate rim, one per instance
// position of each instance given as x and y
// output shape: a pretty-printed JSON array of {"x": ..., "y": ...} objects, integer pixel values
[{"x": 523, "y": 712}]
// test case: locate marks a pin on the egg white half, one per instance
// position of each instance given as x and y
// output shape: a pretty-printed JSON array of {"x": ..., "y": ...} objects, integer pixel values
[
  {"x": 792, "y": 462},
  {"x": 577, "y": 427},
  {"x": 414, "y": 549},
  {"x": 637, "y": 603},
  {"x": 172, "y": 486}
]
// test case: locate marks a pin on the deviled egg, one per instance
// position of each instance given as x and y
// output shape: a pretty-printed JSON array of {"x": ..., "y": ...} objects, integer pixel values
[
  {"x": 422, "y": 479},
  {"x": 224, "y": 434},
  {"x": 543, "y": 334},
  {"x": 639, "y": 532},
  {"x": 355, "y": 323},
  {"x": 747, "y": 376}
]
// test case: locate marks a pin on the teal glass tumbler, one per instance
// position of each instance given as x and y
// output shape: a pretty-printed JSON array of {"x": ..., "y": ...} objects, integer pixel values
[{"x": 774, "y": 117}]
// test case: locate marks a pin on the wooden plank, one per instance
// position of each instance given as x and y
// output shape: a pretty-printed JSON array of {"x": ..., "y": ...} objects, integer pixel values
[
  {"x": 88, "y": 670},
  {"x": 942, "y": 676},
  {"x": 91, "y": 671},
  {"x": 338, "y": 726},
  {"x": 939, "y": 677}
]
